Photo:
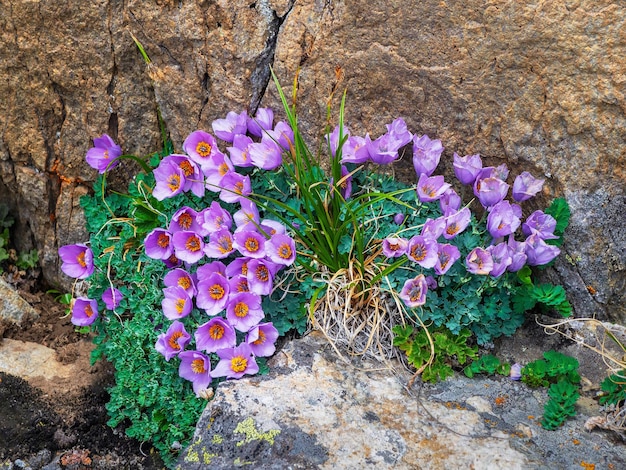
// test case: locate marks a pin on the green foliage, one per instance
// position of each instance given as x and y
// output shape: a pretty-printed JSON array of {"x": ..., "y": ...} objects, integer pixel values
[
  {"x": 436, "y": 357},
  {"x": 487, "y": 364},
  {"x": 4, "y": 241},
  {"x": 614, "y": 388},
  {"x": 559, "y": 209},
  {"x": 528, "y": 295},
  {"x": 560, "y": 372},
  {"x": 561, "y": 405},
  {"x": 28, "y": 260}
]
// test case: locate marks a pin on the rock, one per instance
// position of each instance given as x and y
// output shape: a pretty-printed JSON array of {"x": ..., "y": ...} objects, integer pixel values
[
  {"x": 538, "y": 86},
  {"x": 314, "y": 411},
  {"x": 13, "y": 308}
]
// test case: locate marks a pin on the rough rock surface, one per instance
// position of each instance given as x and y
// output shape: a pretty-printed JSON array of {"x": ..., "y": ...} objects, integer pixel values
[
  {"x": 538, "y": 85},
  {"x": 313, "y": 411}
]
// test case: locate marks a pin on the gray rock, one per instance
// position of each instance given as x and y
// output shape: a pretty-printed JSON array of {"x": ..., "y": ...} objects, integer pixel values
[
  {"x": 314, "y": 411},
  {"x": 14, "y": 310}
]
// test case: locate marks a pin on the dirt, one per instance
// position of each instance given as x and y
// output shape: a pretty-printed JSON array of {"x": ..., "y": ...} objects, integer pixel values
[{"x": 62, "y": 421}]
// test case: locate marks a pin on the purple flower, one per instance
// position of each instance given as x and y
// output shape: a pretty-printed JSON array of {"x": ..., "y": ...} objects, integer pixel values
[
  {"x": 226, "y": 129},
  {"x": 238, "y": 266},
  {"x": 431, "y": 188},
  {"x": 394, "y": 247},
  {"x": 173, "y": 341},
  {"x": 204, "y": 271},
  {"x": 266, "y": 155},
  {"x": 281, "y": 249},
  {"x": 517, "y": 251},
  {"x": 433, "y": 228},
  {"x": 414, "y": 291},
  {"x": 457, "y": 223},
  {"x": 398, "y": 219},
  {"x": 112, "y": 298},
  {"x": 490, "y": 191},
  {"x": 503, "y": 219},
  {"x": 195, "y": 367},
  {"x": 158, "y": 244},
  {"x": 170, "y": 180},
  {"x": 184, "y": 219},
  {"x": 220, "y": 244},
  {"x": 77, "y": 260},
  {"x": 220, "y": 166},
  {"x": 214, "y": 335},
  {"x": 467, "y": 168},
  {"x": 243, "y": 310},
  {"x": 236, "y": 362},
  {"x": 272, "y": 227},
  {"x": 354, "y": 150},
  {"x": 260, "y": 276},
  {"x": 247, "y": 216},
  {"x": 449, "y": 202},
  {"x": 262, "y": 121},
  {"x": 540, "y": 224},
  {"x": 234, "y": 187},
  {"x": 345, "y": 183},
  {"x": 84, "y": 311},
  {"x": 526, "y": 186},
  {"x": 501, "y": 256},
  {"x": 176, "y": 303},
  {"x": 188, "y": 246},
  {"x": 215, "y": 218},
  {"x": 238, "y": 283},
  {"x": 398, "y": 130},
  {"x": 181, "y": 278},
  {"x": 104, "y": 154},
  {"x": 194, "y": 179},
  {"x": 213, "y": 292},
  {"x": 423, "y": 251},
  {"x": 479, "y": 261},
  {"x": 447, "y": 255},
  {"x": 516, "y": 371},
  {"x": 426, "y": 155},
  {"x": 249, "y": 243},
  {"x": 200, "y": 146},
  {"x": 538, "y": 252},
  {"x": 240, "y": 151},
  {"x": 262, "y": 339},
  {"x": 282, "y": 135}
]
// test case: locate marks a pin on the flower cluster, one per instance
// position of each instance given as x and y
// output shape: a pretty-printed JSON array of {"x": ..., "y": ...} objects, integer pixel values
[
  {"x": 431, "y": 249},
  {"x": 221, "y": 259}
]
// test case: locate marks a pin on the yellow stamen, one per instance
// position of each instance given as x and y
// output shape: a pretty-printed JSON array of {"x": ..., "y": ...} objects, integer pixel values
[
  {"x": 262, "y": 274},
  {"x": 284, "y": 251},
  {"x": 180, "y": 306},
  {"x": 216, "y": 292},
  {"x": 163, "y": 241},
  {"x": 185, "y": 220},
  {"x": 241, "y": 309},
  {"x": 184, "y": 282},
  {"x": 203, "y": 149},
  {"x": 88, "y": 311},
  {"x": 81, "y": 259},
  {"x": 261, "y": 340},
  {"x": 173, "y": 182},
  {"x": 238, "y": 364},
  {"x": 252, "y": 244},
  {"x": 197, "y": 366},
  {"x": 186, "y": 167},
  {"x": 216, "y": 332},
  {"x": 173, "y": 342},
  {"x": 192, "y": 244}
]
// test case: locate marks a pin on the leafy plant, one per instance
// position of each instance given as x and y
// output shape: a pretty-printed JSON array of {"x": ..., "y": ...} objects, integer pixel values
[
  {"x": 487, "y": 364},
  {"x": 559, "y": 372},
  {"x": 434, "y": 358},
  {"x": 563, "y": 395},
  {"x": 614, "y": 388}
]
